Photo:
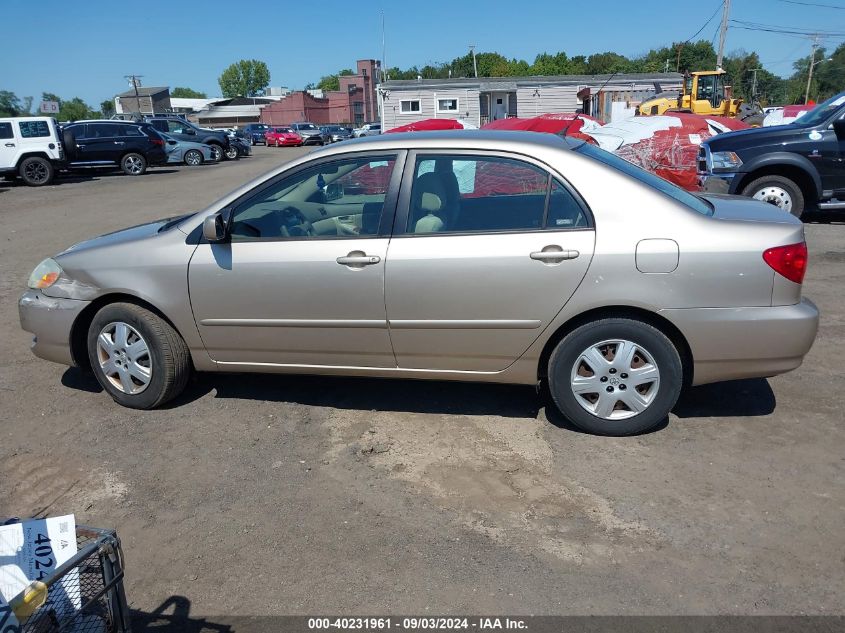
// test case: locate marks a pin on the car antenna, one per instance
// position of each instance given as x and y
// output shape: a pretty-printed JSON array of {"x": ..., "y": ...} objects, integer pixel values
[{"x": 563, "y": 132}]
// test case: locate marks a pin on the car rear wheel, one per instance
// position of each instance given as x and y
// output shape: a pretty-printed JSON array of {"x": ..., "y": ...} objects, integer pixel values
[
  {"x": 133, "y": 164},
  {"x": 193, "y": 157},
  {"x": 36, "y": 171},
  {"x": 779, "y": 191},
  {"x": 615, "y": 377},
  {"x": 137, "y": 357}
]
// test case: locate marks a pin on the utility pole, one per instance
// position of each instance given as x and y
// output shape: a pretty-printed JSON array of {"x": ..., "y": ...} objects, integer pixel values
[
  {"x": 474, "y": 65},
  {"x": 812, "y": 65},
  {"x": 135, "y": 81},
  {"x": 666, "y": 67},
  {"x": 383, "y": 67},
  {"x": 754, "y": 82},
  {"x": 723, "y": 32}
]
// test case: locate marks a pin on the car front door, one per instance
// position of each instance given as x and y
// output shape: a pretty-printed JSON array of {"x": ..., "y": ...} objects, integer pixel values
[
  {"x": 300, "y": 280},
  {"x": 487, "y": 250},
  {"x": 8, "y": 145}
]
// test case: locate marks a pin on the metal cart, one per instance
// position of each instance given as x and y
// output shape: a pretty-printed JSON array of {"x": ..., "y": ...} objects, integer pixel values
[{"x": 94, "y": 604}]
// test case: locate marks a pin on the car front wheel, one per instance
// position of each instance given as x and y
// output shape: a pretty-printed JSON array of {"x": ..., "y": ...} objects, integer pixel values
[
  {"x": 615, "y": 376},
  {"x": 137, "y": 357},
  {"x": 779, "y": 191},
  {"x": 231, "y": 152}
]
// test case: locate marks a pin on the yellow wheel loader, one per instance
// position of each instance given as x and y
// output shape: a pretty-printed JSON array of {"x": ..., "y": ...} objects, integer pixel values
[{"x": 704, "y": 92}]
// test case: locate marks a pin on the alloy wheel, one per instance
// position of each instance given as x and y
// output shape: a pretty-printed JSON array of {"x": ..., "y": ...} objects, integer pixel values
[
  {"x": 615, "y": 379},
  {"x": 193, "y": 157},
  {"x": 36, "y": 172},
  {"x": 124, "y": 358},
  {"x": 133, "y": 164}
]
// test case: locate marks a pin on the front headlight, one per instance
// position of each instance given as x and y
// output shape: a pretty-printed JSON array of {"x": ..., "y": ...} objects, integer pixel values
[
  {"x": 725, "y": 161},
  {"x": 45, "y": 275}
]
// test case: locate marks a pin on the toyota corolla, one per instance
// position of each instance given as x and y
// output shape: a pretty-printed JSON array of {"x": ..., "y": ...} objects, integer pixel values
[{"x": 478, "y": 256}]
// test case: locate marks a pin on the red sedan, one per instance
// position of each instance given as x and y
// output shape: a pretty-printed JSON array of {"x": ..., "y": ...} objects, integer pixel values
[{"x": 282, "y": 136}]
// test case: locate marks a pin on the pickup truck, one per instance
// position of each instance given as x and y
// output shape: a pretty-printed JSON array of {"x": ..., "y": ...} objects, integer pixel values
[{"x": 795, "y": 167}]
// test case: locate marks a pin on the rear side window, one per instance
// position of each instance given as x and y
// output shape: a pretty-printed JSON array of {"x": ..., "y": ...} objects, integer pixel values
[
  {"x": 103, "y": 130},
  {"x": 656, "y": 182},
  {"x": 5, "y": 129},
  {"x": 34, "y": 129},
  {"x": 565, "y": 211},
  {"x": 130, "y": 130},
  {"x": 454, "y": 194}
]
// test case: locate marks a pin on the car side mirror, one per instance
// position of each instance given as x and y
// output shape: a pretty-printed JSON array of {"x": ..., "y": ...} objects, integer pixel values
[
  {"x": 190, "y": 131},
  {"x": 334, "y": 191},
  {"x": 839, "y": 129},
  {"x": 214, "y": 228}
]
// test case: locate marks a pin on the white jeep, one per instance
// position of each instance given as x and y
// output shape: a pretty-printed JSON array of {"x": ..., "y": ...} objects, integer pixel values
[{"x": 30, "y": 147}]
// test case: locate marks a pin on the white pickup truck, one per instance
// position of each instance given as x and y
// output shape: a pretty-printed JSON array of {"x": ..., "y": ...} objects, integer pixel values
[{"x": 30, "y": 148}]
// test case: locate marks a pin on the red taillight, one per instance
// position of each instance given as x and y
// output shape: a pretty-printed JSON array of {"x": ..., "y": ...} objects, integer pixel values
[
  {"x": 157, "y": 141},
  {"x": 789, "y": 261}
]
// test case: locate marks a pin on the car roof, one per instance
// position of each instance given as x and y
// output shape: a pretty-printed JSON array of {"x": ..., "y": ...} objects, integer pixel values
[{"x": 454, "y": 139}]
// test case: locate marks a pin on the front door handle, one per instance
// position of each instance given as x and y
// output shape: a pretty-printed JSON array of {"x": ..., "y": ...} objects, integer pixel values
[
  {"x": 119, "y": 143},
  {"x": 358, "y": 259},
  {"x": 553, "y": 254},
  {"x": 10, "y": 144}
]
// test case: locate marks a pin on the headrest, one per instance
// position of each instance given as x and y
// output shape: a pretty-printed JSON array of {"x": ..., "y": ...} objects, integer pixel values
[{"x": 430, "y": 202}]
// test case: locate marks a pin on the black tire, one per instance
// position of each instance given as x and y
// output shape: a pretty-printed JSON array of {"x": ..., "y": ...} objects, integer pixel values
[
  {"x": 665, "y": 358},
  {"x": 168, "y": 356},
  {"x": 36, "y": 171},
  {"x": 133, "y": 164},
  {"x": 778, "y": 183},
  {"x": 232, "y": 153},
  {"x": 218, "y": 152},
  {"x": 193, "y": 157}
]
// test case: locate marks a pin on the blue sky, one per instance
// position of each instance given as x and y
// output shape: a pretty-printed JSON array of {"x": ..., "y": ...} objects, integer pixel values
[{"x": 85, "y": 48}]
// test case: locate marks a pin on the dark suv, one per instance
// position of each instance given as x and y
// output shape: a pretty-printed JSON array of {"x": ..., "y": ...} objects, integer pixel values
[
  {"x": 793, "y": 167},
  {"x": 255, "y": 133},
  {"x": 129, "y": 145},
  {"x": 183, "y": 130}
]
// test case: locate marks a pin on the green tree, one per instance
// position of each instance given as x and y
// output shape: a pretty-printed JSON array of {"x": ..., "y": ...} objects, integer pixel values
[
  {"x": 332, "y": 82},
  {"x": 76, "y": 109},
  {"x": 107, "y": 108},
  {"x": 245, "y": 78},
  {"x": 10, "y": 104},
  {"x": 180, "y": 92}
]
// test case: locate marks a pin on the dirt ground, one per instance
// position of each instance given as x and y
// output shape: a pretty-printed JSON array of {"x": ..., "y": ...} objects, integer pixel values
[{"x": 267, "y": 495}]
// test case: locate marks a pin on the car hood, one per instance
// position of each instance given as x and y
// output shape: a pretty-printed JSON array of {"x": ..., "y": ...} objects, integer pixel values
[
  {"x": 754, "y": 137},
  {"x": 740, "y": 208},
  {"x": 124, "y": 236}
]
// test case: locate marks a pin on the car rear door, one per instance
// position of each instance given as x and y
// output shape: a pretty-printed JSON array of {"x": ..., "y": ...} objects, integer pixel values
[
  {"x": 8, "y": 145},
  {"x": 301, "y": 281},
  {"x": 97, "y": 144},
  {"x": 487, "y": 249}
]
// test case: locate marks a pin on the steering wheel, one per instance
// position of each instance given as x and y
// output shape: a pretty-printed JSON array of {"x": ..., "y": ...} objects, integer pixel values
[{"x": 296, "y": 223}]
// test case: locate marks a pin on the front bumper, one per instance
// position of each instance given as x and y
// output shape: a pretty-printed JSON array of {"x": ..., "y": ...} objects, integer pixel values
[
  {"x": 718, "y": 183},
  {"x": 51, "y": 321},
  {"x": 754, "y": 342},
  {"x": 316, "y": 139}
]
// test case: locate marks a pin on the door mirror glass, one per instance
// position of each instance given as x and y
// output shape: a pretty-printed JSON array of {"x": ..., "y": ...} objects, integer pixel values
[
  {"x": 189, "y": 131},
  {"x": 214, "y": 228},
  {"x": 334, "y": 191},
  {"x": 839, "y": 129}
]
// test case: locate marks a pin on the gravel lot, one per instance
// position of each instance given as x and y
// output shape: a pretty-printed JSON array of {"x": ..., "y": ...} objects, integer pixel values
[{"x": 263, "y": 495}]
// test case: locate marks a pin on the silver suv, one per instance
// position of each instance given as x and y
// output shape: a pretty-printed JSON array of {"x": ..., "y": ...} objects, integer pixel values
[{"x": 310, "y": 133}]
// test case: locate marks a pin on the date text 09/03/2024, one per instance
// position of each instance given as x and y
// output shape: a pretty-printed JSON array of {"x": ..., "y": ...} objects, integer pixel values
[{"x": 416, "y": 623}]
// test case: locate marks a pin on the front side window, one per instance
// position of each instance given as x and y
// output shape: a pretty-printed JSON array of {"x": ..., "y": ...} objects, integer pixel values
[
  {"x": 343, "y": 198},
  {"x": 476, "y": 194},
  {"x": 447, "y": 105},
  {"x": 5, "y": 129},
  {"x": 410, "y": 105},
  {"x": 34, "y": 129},
  {"x": 175, "y": 127}
]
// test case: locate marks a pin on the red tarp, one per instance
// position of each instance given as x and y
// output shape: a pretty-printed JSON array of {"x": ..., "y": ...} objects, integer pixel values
[
  {"x": 428, "y": 125},
  {"x": 574, "y": 124},
  {"x": 666, "y": 145}
]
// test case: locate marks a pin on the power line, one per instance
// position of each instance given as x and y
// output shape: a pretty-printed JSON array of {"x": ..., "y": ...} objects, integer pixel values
[
  {"x": 814, "y": 4},
  {"x": 709, "y": 20},
  {"x": 785, "y": 30}
]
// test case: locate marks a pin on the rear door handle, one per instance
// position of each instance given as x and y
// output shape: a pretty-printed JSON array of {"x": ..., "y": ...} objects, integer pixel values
[
  {"x": 10, "y": 144},
  {"x": 358, "y": 259},
  {"x": 119, "y": 143},
  {"x": 554, "y": 254}
]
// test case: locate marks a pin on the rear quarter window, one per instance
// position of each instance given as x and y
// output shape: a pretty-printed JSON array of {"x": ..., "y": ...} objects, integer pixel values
[
  {"x": 34, "y": 129},
  {"x": 6, "y": 129}
]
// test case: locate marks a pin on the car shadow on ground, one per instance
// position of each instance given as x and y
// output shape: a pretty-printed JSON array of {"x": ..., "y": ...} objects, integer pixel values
[{"x": 738, "y": 398}]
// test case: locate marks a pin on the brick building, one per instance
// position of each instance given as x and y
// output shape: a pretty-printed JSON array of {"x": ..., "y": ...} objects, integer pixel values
[{"x": 354, "y": 103}]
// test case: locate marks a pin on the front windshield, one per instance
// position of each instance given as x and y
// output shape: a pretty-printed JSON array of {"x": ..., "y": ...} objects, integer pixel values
[
  {"x": 307, "y": 126},
  {"x": 822, "y": 112},
  {"x": 647, "y": 178}
]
